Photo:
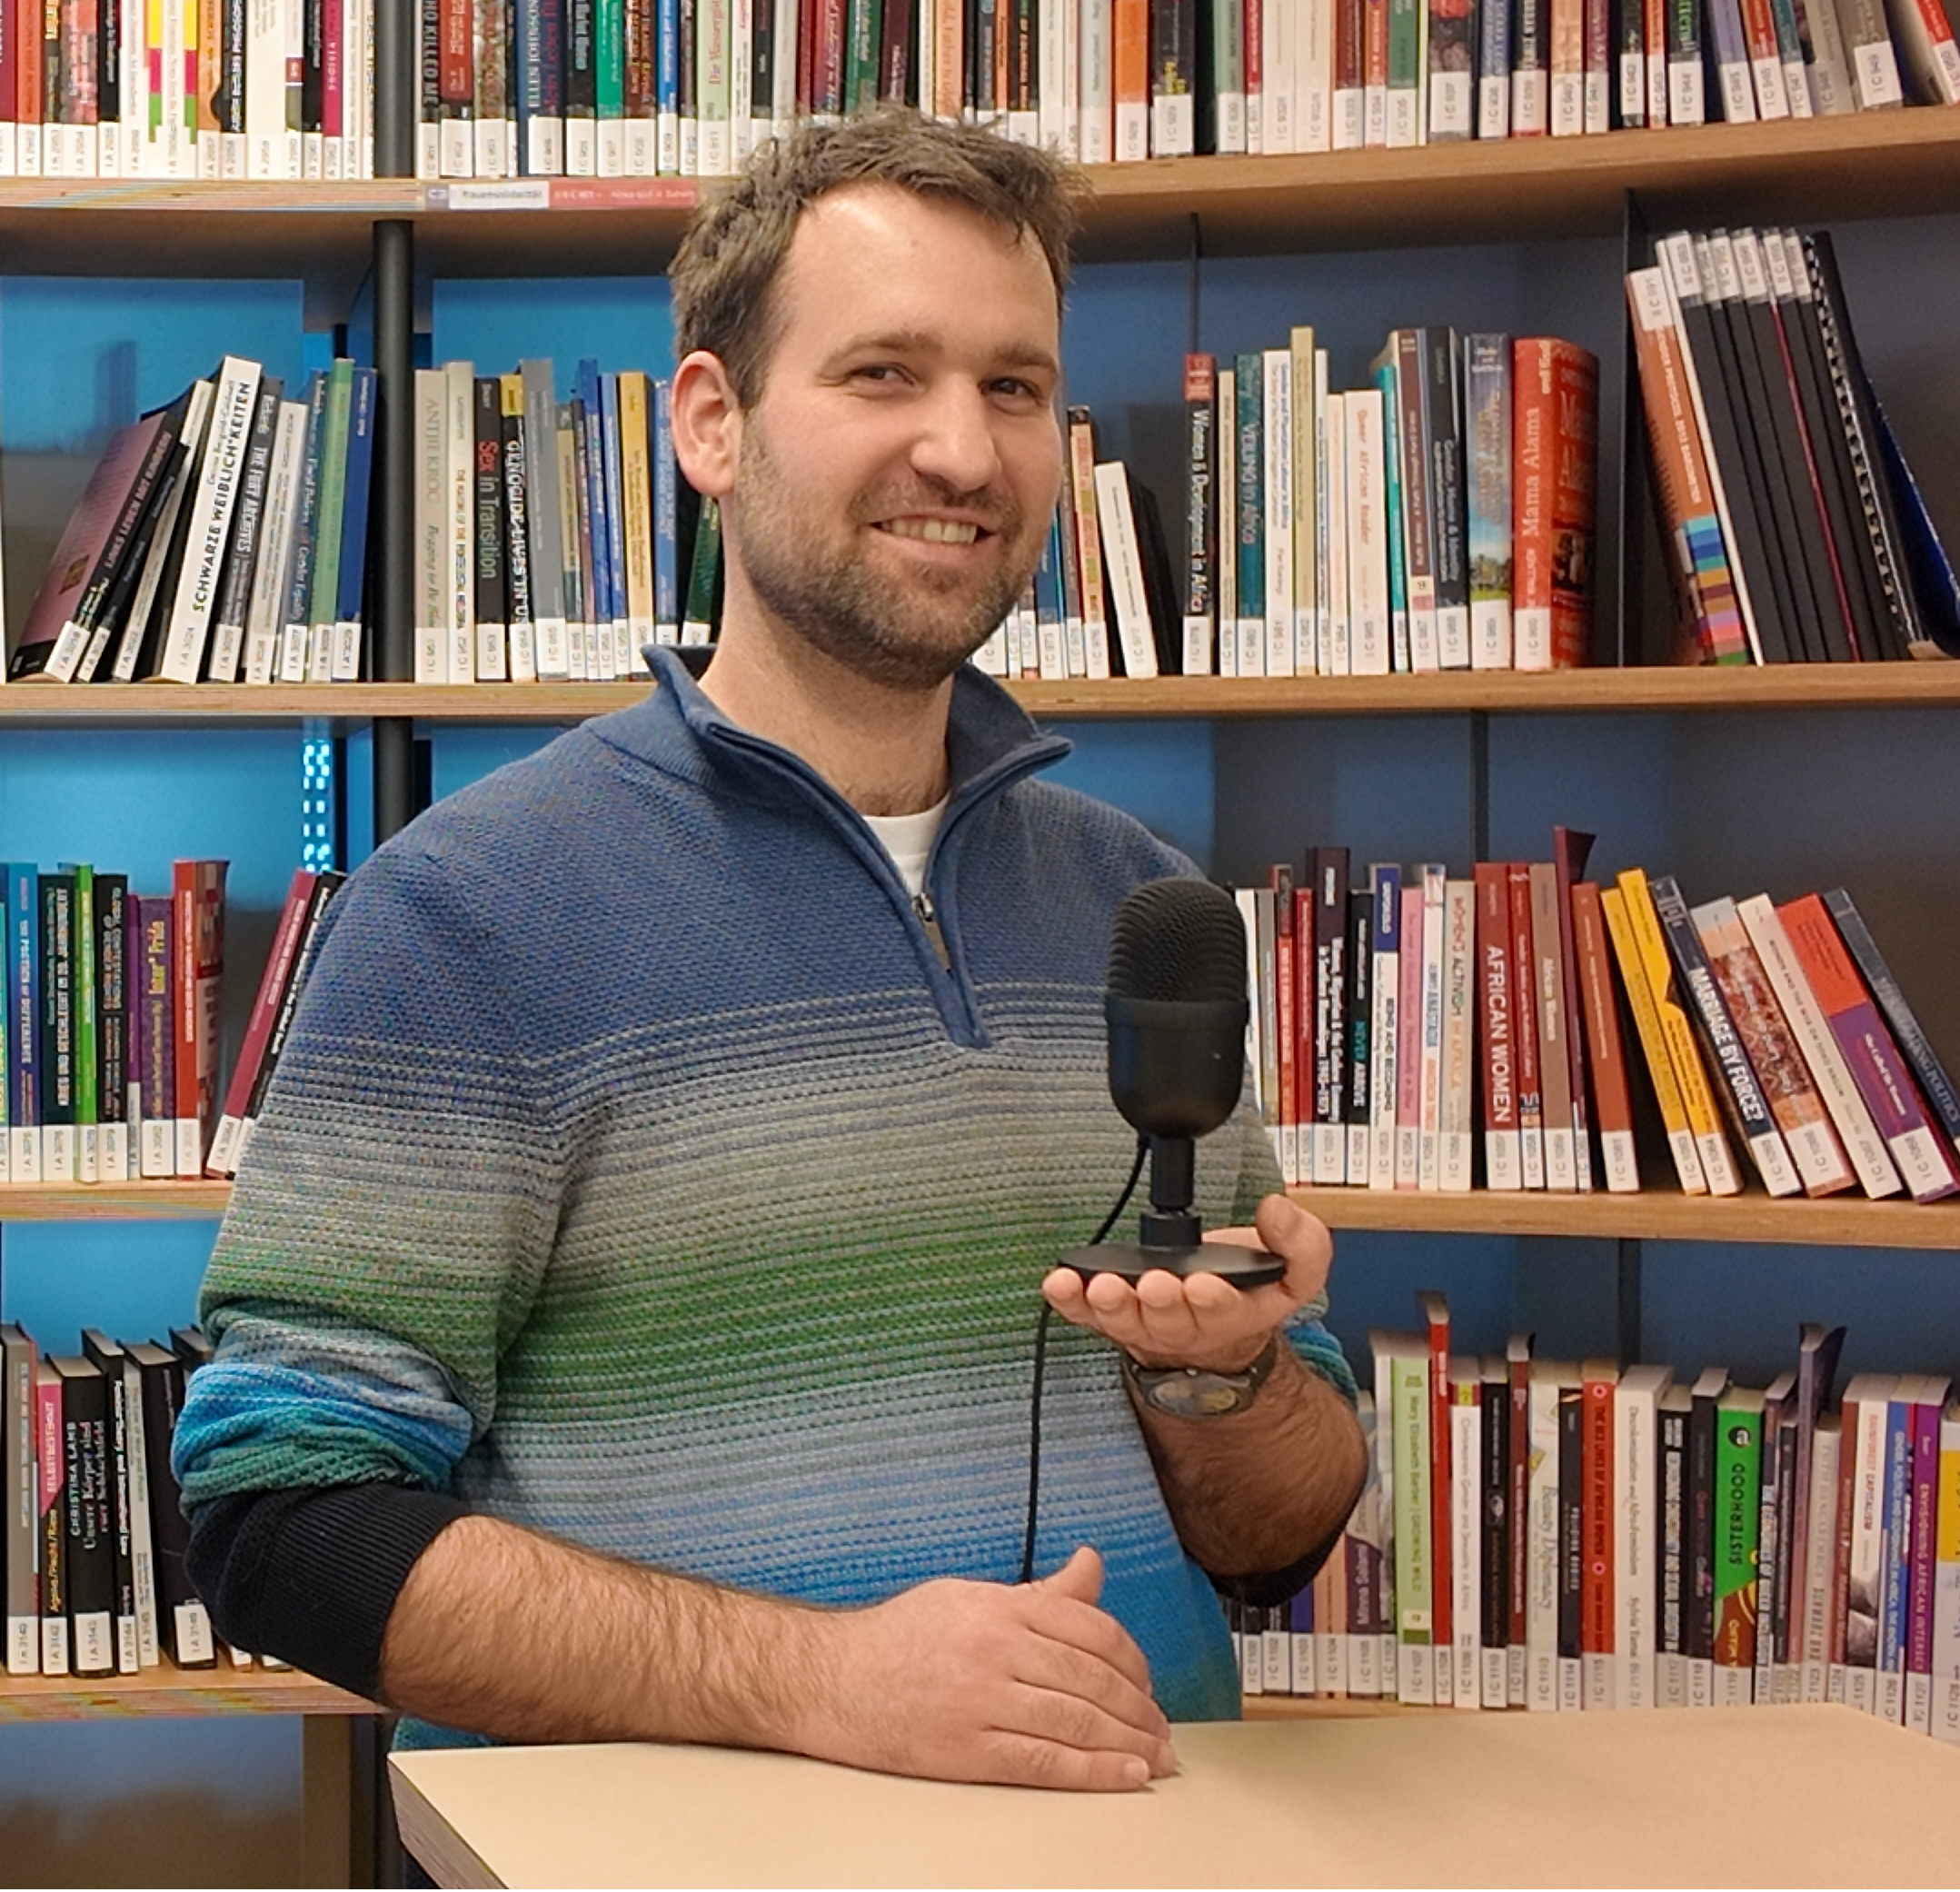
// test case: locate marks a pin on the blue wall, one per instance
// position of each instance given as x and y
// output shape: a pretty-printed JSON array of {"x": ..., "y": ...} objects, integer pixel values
[{"x": 1729, "y": 803}]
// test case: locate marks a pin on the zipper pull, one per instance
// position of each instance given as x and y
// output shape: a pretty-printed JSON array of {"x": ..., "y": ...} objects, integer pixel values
[{"x": 928, "y": 917}]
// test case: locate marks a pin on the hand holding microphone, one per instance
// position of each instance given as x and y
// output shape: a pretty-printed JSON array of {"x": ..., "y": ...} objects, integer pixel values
[{"x": 1177, "y": 1008}]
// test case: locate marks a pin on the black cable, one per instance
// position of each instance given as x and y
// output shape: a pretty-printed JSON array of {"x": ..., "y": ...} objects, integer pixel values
[{"x": 1040, "y": 1361}]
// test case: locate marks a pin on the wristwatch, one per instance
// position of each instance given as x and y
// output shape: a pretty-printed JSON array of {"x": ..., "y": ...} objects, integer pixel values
[{"x": 1193, "y": 1392}]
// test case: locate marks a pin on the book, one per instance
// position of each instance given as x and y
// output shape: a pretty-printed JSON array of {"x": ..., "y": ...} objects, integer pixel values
[
  {"x": 19, "y": 1559},
  {"x": 184, "y": 1624},
  {"x": 1122, "y": 552},
  {"x": 1778, "y": 1064},
  {"x": 208, "y": 520},
  {"x": 197, "y": 955},
  {"x": 1385, "y": 893},
  {"x": 1490, "y": 1597},
  {"x": 1711, "y": 1145},
  {"x": 264, "y": 606},
  {"x": 228, "y": 1137},
  {"x": 110, "y": 1362},
  {"x": 51, "y": 1527},
  {"x": 326, "y": 884},
  {"x": 1403, "y": 1368},
  {"x": 1442, "y": 1596},
  {"x": 1606, "y": 1055},
  {"x": 1556, "y": 1025},
  {"x": 1727, "y": 1055},
  {"x": 1638, "y": 1533},
  {"x": 1488, "y": 402},
  {"x": 62, "y": 619},
  {"x": 1935, "y": 1086},
  {"x": 1329, "y": 904},
  {"x": 1673, "y": 1407},
  {"x": 88, "y": 1541},
  {"x": 1503, "y": 1161},
  {"x": 1859, "y": 1593},
  {"x": 1738, "y": 1449},
  {"x": 1943, "y": 1656},
  {"x": 1600, "y": 1528},
  {"x": 1923, "y": 1154},
  {"x": 1542, "y": 1529},
  {"x": 1524, "y": 1027},
  {"x": 1517, "y": 1368},
  {"x": 241, "y": 557},
  {"x": 1554, "y": 435},
  {"x": 1679, "y": 465}
]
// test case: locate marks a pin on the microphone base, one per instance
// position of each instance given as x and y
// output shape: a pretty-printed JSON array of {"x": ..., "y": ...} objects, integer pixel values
[{"x": 1243, "y": 1267}]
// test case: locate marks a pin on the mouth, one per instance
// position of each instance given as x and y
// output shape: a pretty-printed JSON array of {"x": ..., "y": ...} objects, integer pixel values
[{"x": 934, "y": 532}]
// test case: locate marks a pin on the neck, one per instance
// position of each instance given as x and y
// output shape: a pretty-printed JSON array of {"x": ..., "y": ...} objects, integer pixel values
[{"x": 883, "y": 749}]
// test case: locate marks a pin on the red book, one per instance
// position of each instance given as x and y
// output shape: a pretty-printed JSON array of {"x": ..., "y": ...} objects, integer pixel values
[
  {"x": 197, "y": 895},
  {"x": 25, "y": 20},
  {"x": 1518, "y": 1441},
  {"x": 1524, "y": 1028},
  {"x": 1612, "y": 1097},
  {"x": 1304, "y": 1090},
  {"x": 1555, "y": 433},
  {"x": 1883, "y": 1079},
  {"x": 1570, "y": 847},
  {"x": 1496, "y": 1037},
  {"x": 1597, "y": 1377},
  {"x": 1436, "y": 1325},
  {"x": 279, "y": 966}
]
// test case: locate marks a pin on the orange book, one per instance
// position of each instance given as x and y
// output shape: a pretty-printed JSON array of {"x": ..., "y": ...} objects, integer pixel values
[
  {"x": 1555, "y": 432},
  {"x": 209, "y": 15},
  {"x": 1131, "y": 78},
  {"x": 1597, "y": 1377},
  {"x": 1088, "y": 541},
  {"x": 1682, "y": 483}
]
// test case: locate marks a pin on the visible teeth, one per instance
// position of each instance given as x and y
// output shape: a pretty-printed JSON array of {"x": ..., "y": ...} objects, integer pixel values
[{"x": 944, "y": 532}]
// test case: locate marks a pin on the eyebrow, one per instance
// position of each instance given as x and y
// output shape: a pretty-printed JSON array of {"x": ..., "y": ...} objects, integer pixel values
[{"x": 903, "y": 341}]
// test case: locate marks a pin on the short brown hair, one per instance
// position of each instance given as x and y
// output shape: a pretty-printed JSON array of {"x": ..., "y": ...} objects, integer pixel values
[{"x": 725, "y": 272}]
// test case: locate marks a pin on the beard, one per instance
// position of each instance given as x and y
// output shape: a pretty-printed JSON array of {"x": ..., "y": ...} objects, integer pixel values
[{"x": 908, "y": 637}]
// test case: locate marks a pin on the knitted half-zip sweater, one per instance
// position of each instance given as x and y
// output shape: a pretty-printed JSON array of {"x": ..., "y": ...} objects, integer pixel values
[{"x": 644, "y": 1167}]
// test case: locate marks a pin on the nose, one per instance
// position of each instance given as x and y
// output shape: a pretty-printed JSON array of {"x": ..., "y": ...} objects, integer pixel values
[{"x": 955, "y": 446}]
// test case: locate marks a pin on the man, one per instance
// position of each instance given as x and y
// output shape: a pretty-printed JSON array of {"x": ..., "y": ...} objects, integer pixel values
[{"x": 625, "y": 1311}]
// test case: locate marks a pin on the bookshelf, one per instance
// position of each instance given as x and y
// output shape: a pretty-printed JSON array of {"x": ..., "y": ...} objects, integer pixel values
[{"x": 1889, "y": 164}]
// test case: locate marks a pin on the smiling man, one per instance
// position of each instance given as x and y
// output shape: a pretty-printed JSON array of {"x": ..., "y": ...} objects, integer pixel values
[{"x": 625, "y": 1309}]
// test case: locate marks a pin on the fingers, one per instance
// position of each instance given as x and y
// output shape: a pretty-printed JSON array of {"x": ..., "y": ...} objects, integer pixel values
[{"x": 1080, "y": 1578}]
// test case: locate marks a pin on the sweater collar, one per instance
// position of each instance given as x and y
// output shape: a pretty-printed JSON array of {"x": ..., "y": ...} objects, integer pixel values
[{"x": 990, "y": 738}]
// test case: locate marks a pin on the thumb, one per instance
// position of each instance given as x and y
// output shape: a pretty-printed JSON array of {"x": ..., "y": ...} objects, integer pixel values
[{"x": 1080, "y": 1578}]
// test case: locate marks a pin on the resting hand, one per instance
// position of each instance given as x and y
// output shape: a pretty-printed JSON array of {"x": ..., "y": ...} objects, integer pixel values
[
  {"x": 1031, "y": 1685},
  {"x": 1202, "y": 1320}
]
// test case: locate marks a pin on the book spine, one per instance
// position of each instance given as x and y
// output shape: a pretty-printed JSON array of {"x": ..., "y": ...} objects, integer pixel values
[
  {"x": 1864, "y": 1146},
  {"x": 1681, "y": 1143},
  {"x": 1542, "y": 1532},
  {"x": 1726, "y": 1050},
  {"x": 1488, "y": 411},
  {"x": 1503, "y": 1165},
  {"x": 1739, "y": 1447},
  {"x": 1698, "y": 1100},
  {"x": 1524, "y": 1027},
  {"x": 1605, "y": 1051},
  {"x": 1414, "y": 1575}
]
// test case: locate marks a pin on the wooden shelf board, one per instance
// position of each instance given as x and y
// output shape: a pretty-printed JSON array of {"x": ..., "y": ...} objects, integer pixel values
[
  {"x": 1517, "y": 189},
  {"x": 113, "y": 1201},
  {"x": 166, "y": 1690},
  {"x": 1314, "y": 1708},
  {"x": 1654, "y": 1214},
  {"x": 1836, "y": 686},
  {"x": 1508, "y": 189}
]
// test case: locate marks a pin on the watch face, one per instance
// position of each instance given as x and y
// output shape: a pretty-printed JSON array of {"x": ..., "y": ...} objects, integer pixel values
[{"x": 1196, "y": 1395}]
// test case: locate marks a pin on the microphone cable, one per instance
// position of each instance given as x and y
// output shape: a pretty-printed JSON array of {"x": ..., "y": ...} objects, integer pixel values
[{"x": 1040, "y": 1360}]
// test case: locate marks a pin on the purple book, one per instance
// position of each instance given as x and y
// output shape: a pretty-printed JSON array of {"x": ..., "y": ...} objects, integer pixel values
[
  {"x": 157, "y": 1065},
  {"x": 1929, "y": 1399}
]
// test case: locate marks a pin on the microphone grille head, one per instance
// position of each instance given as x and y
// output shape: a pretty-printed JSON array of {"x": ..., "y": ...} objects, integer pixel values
[{"x": 1178, "y": 940}]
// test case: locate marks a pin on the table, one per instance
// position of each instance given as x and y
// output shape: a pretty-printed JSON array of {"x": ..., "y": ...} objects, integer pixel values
[{"x": 1782, "y": 1797}]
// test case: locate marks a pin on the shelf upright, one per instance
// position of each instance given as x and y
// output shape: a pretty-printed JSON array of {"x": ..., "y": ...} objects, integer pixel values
[{"x": 395, "y": 105}]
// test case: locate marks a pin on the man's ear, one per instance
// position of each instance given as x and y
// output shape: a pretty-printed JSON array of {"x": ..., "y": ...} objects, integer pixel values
[{"x": 707, "y": 423}]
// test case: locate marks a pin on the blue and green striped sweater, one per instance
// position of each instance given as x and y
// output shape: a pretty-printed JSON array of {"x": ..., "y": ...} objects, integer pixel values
[{"x": 636, "y": 1170}]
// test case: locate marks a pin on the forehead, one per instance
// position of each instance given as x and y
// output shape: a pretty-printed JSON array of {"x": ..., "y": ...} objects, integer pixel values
[{"x": 878, "y": 259}]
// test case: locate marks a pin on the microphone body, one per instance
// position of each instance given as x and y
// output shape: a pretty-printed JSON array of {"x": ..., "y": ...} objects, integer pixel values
[{"x": 1177, "y": 1009}]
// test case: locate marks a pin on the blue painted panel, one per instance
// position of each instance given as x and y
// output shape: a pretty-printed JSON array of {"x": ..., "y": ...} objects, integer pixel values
[
  {"x": 79, "y": 358},
  {"x": 624, "y": 321},
  {"x": 137, "y": 1279}
]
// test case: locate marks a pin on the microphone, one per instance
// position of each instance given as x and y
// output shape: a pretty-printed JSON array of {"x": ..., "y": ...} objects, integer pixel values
[{"x": 1177, "y": 1009}]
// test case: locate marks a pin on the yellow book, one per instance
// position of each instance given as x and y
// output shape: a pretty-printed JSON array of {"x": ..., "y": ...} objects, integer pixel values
[
  {"x": 1711, "y": 1142},
  {"x": 1653, "y": 1043},
  {"x": 636, "y": 463}
]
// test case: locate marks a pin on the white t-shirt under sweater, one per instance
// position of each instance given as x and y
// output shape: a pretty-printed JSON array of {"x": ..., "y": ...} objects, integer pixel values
[{"x": 908, "y": 838}]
